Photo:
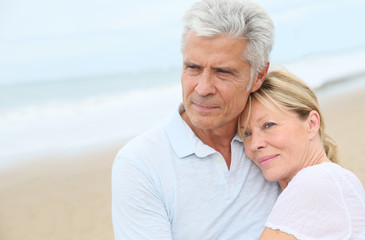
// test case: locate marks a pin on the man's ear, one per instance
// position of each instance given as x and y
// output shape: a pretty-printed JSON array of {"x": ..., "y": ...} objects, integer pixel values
[
  {"x": 313, "y": 123},
  {"x": 260, "y": 78}
]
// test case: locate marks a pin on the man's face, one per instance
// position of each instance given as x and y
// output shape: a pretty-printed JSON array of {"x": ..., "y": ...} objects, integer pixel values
[{"x": 214, "y": 80}]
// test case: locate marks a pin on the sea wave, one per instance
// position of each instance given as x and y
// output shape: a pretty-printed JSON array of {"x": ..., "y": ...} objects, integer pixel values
[
  {"x": 59, "y": 125},
  {"x": 29, "y": 131}
]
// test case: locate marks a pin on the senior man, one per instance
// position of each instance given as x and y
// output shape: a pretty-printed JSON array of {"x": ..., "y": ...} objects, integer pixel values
[{"x": 191, "y": 179}]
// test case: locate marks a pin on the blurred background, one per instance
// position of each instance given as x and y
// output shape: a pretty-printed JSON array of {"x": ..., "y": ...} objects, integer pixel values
[
  {"x": 75, "y": 73},
  {"x": 80, "y": 78}
]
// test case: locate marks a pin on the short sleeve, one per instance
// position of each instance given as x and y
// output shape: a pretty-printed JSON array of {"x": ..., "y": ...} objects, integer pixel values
[
  {"x": 137, "y": 210},
  {"x": 312, "y": 207}
]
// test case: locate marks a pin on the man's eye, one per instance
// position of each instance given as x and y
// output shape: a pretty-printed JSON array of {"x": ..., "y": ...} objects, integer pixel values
[
  {"x": 192, "y": 67},
  {"x": 270, "y": 124},
  {"x": 223, "y": 71}
]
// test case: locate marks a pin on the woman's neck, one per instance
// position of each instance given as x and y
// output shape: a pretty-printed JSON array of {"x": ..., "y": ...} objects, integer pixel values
[{"x": 316, "y": 155}]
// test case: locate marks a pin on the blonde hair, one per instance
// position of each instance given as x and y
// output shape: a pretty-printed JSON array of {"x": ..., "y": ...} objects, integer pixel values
[{"x": 289, "y": 93}]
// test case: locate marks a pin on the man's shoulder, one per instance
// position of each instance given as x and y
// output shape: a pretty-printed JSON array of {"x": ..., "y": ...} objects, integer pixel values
[
  {"x": 143, "y": 151},
  {"x": 152, "y": 139}
]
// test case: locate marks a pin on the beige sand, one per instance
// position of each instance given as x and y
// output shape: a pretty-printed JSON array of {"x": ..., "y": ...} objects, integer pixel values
[
  {"x": 62, "y": 197},
  {"x": 68, "y": 197},
  {"x": 344, "y": 115}
]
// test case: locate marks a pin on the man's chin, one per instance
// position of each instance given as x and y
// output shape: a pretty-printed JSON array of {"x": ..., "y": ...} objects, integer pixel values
[
  {"x": 200, "y": 120},
  {"x": 204, "y": 123}
]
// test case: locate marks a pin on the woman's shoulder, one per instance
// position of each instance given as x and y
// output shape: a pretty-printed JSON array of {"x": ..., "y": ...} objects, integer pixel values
[
  {"x": 312, "y": 197},
  {"x": 325, "y": 175},
  {"x": 325, "y": 186},
  {"x": 327, "y": 168},
  {"x": 316, "y": 176}
]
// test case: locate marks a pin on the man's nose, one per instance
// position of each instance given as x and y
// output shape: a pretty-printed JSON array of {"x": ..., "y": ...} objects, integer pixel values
[{"x": 206, "y": 85}]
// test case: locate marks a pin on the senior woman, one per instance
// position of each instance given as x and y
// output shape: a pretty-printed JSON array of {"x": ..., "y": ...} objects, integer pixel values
[{"x": 283, "y": 133}]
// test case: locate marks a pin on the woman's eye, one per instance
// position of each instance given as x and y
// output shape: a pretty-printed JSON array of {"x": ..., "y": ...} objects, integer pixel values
[
  {"x": 270, "y": 124},
  {"x": 247, "y": 134}
]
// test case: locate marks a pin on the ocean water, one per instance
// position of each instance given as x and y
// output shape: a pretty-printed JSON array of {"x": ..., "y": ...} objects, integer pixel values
[{"x": 47, "y": 118}]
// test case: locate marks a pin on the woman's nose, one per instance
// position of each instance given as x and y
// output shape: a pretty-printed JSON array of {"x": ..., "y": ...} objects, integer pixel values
[{"x": 257, "y": 142}]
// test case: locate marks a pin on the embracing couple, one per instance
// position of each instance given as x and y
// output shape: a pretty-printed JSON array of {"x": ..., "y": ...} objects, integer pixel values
[{"x": 246, "y": 155}]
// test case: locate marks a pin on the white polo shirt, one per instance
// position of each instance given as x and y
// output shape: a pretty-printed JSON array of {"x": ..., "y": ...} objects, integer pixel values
[{"x": 167, "y": 184}]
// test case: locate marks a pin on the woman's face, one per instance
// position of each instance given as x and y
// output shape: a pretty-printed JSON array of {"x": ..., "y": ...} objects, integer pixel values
[{"x": 276, "y": 140}]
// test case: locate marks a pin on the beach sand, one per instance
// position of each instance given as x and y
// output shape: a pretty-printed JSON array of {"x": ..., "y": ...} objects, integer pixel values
[
  {"x": 344, "y": 116},
  {"x": 69, "y": 196},
  {"x": 59, "y": 197}
]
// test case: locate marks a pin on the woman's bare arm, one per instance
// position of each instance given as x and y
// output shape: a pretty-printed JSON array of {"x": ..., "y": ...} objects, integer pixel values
[{"x": 270, "y": 234}]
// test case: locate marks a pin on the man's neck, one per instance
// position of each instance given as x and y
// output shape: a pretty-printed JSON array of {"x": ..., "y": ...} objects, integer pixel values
[{"x": 219, "y": 138}]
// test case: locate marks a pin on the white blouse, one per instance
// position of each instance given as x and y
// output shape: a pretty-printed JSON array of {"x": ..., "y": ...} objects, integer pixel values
[{"x": 324, "y": 201}]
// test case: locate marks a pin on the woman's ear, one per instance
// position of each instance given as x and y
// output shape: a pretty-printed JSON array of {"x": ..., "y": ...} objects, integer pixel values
[
  {"x": 260, "y": 78},
  {"x": 313, "y": 123}
]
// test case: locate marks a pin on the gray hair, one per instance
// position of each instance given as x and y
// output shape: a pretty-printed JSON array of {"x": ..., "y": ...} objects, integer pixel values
[{"x": 238, "y": 19}]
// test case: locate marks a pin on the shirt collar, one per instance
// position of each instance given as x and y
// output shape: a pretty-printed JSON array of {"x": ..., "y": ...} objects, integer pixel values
[
  {"x": 237, "y": 138},
  {"x": 184, "y": 141},
  {"x": 178, "y": 136}
]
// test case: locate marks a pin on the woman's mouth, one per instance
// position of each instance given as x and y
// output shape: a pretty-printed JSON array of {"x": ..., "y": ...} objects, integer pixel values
[{"x": 263, "y": 161}]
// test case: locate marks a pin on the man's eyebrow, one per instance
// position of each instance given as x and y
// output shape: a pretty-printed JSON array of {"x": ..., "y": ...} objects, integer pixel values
[
  {"x": 227, "y": 69},
  {"x": 190, "y": 64},
  {"x": 223, "y": 68}
]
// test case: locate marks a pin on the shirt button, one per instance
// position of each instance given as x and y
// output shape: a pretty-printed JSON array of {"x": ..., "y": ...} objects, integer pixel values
[{"x": 218, "y": 160}]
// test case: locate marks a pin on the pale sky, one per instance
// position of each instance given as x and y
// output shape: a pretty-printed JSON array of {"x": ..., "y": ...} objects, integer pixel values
[{"x": 61, "y": 39}]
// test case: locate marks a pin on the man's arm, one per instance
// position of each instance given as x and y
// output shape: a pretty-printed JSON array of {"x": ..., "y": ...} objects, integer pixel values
[{"x": 138, "y": 211}]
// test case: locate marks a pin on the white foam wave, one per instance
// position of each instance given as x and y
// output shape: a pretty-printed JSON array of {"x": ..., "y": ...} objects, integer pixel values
[
  {"x": 48, "y": 128},
  {"x": 53, "y": 127},
  {"x": 319, "y": 70}
]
